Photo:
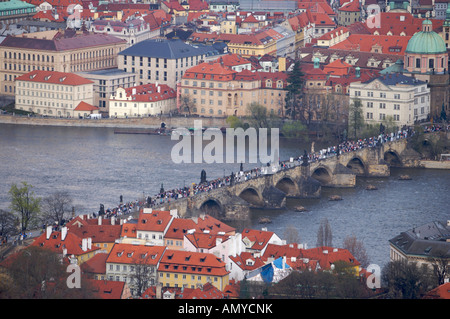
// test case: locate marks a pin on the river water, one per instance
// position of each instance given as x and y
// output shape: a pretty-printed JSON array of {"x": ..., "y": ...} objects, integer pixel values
[{"x": 96, "y": 166}]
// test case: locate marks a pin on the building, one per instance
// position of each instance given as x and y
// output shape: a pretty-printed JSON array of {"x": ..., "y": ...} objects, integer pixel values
[
  {"x": 106, "y": 82},
  {"x": 142, "y": 101},
  {"x": 131, "y": 30},
  {"x": 213, "y": 89},
  {"x": 426, "y": 59},
  {"x": 60, "y": 51},
  {"x": 192, "y": 269},
  {"x": 103, "y": 231},
  {"x": 257, "y": 241},
  {"x": 77, "y": 250},
  {"x": 126, "y": 261},
  {"x": 440, "y": 9},
  {"x": 163, "y": 61},
  {"x": 14, "y": 11},
  {"x": 349, "y": 13},
  {"x": 52, "y": 93},
  {"x": 395, "y": 96},
  {"x": 424, "y": 245},
  {"x": 445, "y": 34}
]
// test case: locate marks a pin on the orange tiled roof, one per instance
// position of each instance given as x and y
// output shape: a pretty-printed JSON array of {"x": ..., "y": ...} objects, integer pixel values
[
  {"x": 107, "y": 289},
  {"x": 213, "y": 225},
  {"x": 83, "y": 106},
  {"x": 241, "y": 261},
  {"x": 259, "y": 238},
  {"x": 53, "y": 77},
  {"x": 98, "y": 233},
  {"x": 192, "y": 262},
  {"x": 72, "y": 243},
  {"x": 135, "y": 254},
  {"x": 155, "y": 221},
  {"x": 179, "y": 227},
  {"x": 365, "y": 42},
  {"x": 204, "y": 240},
  {"x": 96, "y": 264}
]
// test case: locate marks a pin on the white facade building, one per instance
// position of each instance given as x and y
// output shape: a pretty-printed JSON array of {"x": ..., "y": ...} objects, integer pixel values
[{"x": 405, "y": 99}]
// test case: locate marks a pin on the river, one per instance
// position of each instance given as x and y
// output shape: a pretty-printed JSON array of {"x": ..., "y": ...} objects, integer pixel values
[{"x": 96, "y": 166}]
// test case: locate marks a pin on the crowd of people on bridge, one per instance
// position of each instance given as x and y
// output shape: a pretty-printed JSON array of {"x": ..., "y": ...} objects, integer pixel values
[{"x": 166, "y": 196}]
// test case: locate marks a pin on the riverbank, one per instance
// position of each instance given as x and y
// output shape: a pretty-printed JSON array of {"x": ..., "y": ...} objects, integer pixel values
[{"x": 131, "y": 123}]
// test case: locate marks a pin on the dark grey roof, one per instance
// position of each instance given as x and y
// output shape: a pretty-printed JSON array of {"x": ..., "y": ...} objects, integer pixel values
[
  {"x": 169, "y": 49},
  {"x": 427, "y": 240},
  {"x": 397, "y": 78}
]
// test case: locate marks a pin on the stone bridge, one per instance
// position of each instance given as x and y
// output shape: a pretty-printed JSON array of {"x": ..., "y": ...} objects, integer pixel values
[{"x": 298, "y": 180}]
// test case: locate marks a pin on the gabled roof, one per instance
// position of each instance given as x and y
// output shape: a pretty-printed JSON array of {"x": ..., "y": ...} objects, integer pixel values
[
  {"x": 150, "y": 92},
  {"x": 192, "y": 262},
  {"x": 213, "y": 225},
  {"x": 258, "y": 239},
  {"x": 205, "y": 240},
  {"x": 98, "y": 233},
  {"x": 365, "y": 42},
  {"x": 179, "y": 227},
  {"x": 107, "y": 289},
  {"x": 62, "y": 78},
  {"x": 96, "y": 264},
  {"x": 71, "y": 243},
  {"x": 156, "y": 221},
  {"x": 246, "y": 261},
  {"x": 352, "y": 6},
  {"x": 85, "y": 107},
  {"x": 135, "y": 254}
]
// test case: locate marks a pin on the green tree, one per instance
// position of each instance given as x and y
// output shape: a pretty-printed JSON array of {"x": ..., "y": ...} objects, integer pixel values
[
  {"x": 295, "y": 87},
  {"x": 234, "y": 121},
  {"x": 294, "y": 129},
  {"x": 355, "y": 117},
  {"x": 406, "y": 280},
  {"x": 25, "y": 205}
]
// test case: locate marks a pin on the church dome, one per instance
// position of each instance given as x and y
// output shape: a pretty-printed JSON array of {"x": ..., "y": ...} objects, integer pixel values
[{"x": 426, "y": 41}]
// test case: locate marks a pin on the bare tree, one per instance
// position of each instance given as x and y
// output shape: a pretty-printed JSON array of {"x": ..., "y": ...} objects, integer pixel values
[
  {"x": 57, "y": 207},
  {"x": 291, "y": 235},
  {"x": 357, "y": 249},
  {"x": 8, "y": 224},
  {"x": 440, "y": 263},
  {"x": 141, "y": 276},
  {"x": 186, "y": 103},
  {"x": 324, "y": 234}
]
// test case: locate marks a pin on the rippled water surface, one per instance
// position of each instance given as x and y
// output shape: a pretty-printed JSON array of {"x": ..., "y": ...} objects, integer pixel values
[{"x": 97, "y": 166}]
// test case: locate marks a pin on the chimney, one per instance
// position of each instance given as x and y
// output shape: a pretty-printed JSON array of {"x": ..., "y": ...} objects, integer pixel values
[
  {"x": 99, "y": 220},
  {"x": 89, "y": 243},
  {"x": 84, "y": 244},
  {"x": 63, "y": 233},
  {"x": 48, "y": 232},
  {"x": 113, "y": 220},
  {"x": 325, "y": 251}
]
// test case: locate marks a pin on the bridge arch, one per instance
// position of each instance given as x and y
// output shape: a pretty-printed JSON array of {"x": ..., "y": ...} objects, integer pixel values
[
  {"x": 357, "y": 166},
  {"x": 322, "y": 174},
  {"x": 252, "y": 196},
  {"x": 287, "y": 185},
  {"x": 392, "y": 158},
  {"x": 212, "y": 207}
]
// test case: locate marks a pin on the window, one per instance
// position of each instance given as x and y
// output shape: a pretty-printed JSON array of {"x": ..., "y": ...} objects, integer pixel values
[{"x": 417, "y": 63}]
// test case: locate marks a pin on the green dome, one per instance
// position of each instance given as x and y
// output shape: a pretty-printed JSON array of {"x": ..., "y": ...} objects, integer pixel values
[{"x": 426, "y": 42}]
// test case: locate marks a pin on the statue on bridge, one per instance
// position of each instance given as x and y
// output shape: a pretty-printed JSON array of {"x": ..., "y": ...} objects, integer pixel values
[
  {"x": 203, "y": 177},
  {"x": 305, "y": 159}
]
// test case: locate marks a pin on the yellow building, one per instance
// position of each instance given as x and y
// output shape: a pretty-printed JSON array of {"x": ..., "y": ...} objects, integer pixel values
[
  {"x": 190, "y": 270},
  {"x": 61, "y": 51},
  {"x": 216, "y": 90}
]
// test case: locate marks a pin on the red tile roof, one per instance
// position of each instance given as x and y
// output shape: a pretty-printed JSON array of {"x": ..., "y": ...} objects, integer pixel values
[
  {"x": 192, "y": 262},
  {"x": 241, "y": 261},
  {"x": 352, "y": 6},
  {"x": 157, "y": 221},
  {"x": 258, "y": 238},
  {"x": 135, "y": 254},
  {"x": 83, "y": 106},
  {"x": 71, "y": 243},
  {"x": 366, "y": 42},
  {"x": 213, "y": 225},
  {"x": 95, "y": 265},
  {"x": 149, "y": 92},
  {"x": 98, "y": 233},
  {"x": 53, "y": 77},
  {"x": 179, "y": 227},
  {"x": 204, "y": 240},
  {"x": 107, "y": 289}
]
